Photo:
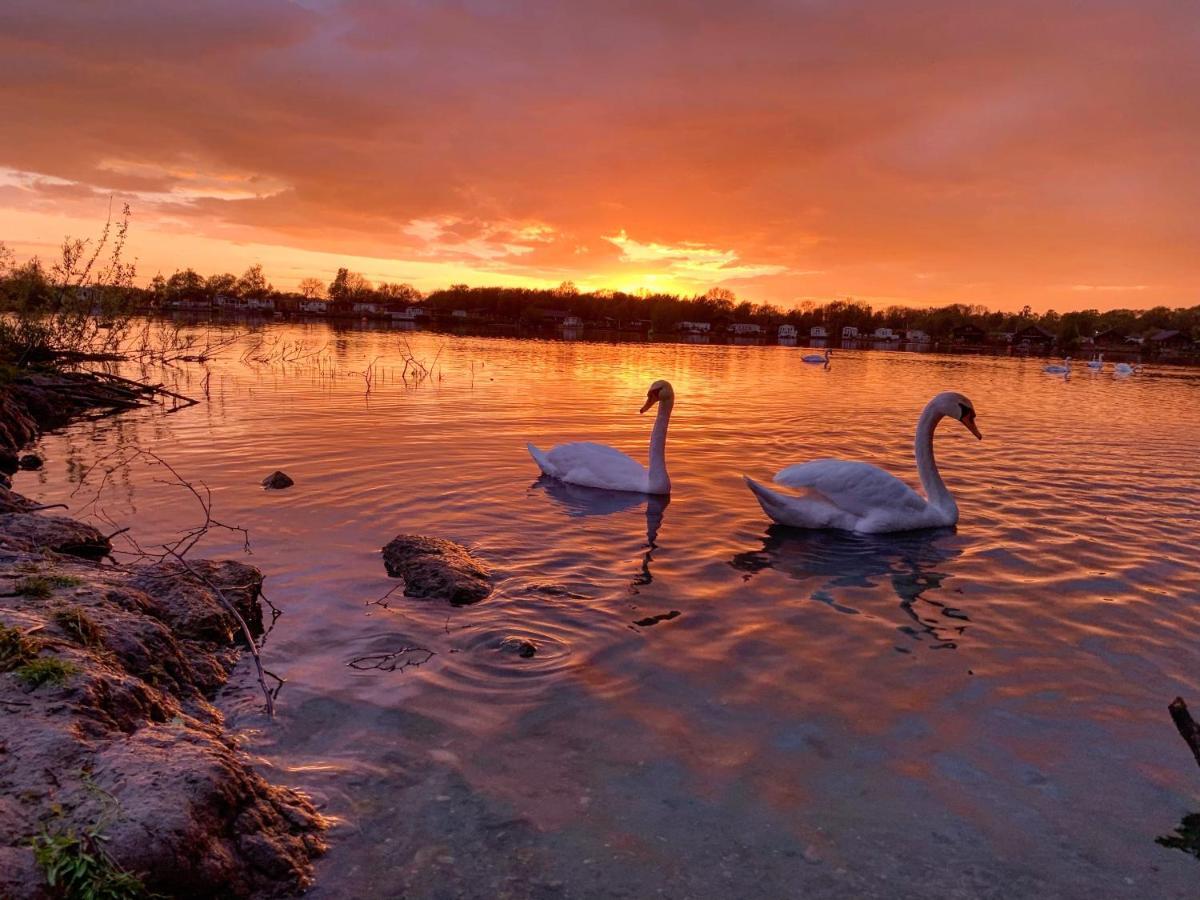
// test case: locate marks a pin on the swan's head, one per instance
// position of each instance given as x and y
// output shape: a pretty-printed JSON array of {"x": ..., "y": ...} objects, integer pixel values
[
  {"x": 956, "y": 406},
  {"x": 659, "y": 392}
]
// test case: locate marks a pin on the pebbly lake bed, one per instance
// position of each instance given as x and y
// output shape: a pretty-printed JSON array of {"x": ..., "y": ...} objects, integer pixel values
[{"x": 959, "y": 713}]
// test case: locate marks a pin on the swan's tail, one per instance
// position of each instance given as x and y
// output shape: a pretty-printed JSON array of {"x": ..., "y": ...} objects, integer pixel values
[
  {"x": 541, "y": 459},
  {"x": 798, "y": 512}
]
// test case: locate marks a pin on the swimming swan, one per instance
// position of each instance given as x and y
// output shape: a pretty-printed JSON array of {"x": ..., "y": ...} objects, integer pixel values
[
  {"x": 817, "y": 358},
  {"x": 856, "y": 496},
  {"x": 1097, "y": 364},
  {"x": 601, "y": 466},
  {"x": 1064, "y": 369}
]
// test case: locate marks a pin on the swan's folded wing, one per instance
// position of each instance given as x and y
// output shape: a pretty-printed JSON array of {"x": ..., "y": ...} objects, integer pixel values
[
  {"x": 856, "y": 487},
  {"x": 597, "y": 465}
]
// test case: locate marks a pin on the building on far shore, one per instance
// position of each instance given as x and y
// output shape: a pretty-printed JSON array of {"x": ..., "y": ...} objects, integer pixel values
[
  {"x": 694, "y": 327},
  {"x": 745, "y": 328},
  {"x": 787, "y": 332},
  {"x": 968, "y": 333},
  {"x": 849, "y": 333},
  {"x": 818, "y": 331}
]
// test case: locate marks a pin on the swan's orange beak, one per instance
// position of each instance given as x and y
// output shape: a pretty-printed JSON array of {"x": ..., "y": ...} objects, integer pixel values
[
  {"x": 651, "y": 399},
  {"x": 972, "y": 427}
]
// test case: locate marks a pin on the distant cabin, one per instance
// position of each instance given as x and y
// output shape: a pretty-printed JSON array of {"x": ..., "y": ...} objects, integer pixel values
[
  {"x": 1110, "y": 337},
  {"x": 1033, "y": 336},
  {"x": 416, "y": 312},
  {"x": 459, "y": 314},
  {"x": 818, "y": 331},
  {"x": 1169, "y": 339},
  {"x": 745, "y": 328},
  {"x": 968, "y": 333},
  {"x": 314, "y": 307},
  {"x": 849, "y": 333},
  {"x": 694, "y": 327},
  {"x": 572, "y": 322},
  {"x": 787, "y": 331},
  {"x": 917, "y": 336},
  {"x": 884, "y": 334},
  {"x": 366, "y": 308}
]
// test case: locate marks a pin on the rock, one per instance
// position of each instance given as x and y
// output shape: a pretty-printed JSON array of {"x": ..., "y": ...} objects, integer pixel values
[
  {"x": 9, "y": 462},
  {"x": 127, "y": 737},
  {"x": 30, "y": 462},
  {"x": 523, "y": 647},
  {"x": 277, "y": 481},
  {"x": 30, "y": 531},
  {"x": 437, "y": 569},
  {"x": 654, "y": 620}
]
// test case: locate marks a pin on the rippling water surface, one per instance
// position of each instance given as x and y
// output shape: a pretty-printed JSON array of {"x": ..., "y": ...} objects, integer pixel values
[{"x": 979, "y": 712}]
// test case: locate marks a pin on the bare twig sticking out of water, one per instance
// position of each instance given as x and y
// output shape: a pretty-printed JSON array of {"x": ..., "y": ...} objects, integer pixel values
[
  {"x": 404, "y": 658},
  {"x": 1186, "y": 725}
]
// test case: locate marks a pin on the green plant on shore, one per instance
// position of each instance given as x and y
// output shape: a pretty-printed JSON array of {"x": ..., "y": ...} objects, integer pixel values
[
  {"x": 16, "y": 648},
  {"x": 41, "y": 587},
  {"x": 78, "y": 625},
  {"x": 46, "y": 670}
]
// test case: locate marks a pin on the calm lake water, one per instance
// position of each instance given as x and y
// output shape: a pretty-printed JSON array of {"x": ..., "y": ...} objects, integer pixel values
[{"x": 970, "y": 713}]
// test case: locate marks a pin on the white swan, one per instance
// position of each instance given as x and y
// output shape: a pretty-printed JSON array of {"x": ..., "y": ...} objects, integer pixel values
[
  {"x": 1097, "y": 364},
  {"x": 600, "y": 466},
  {"x": 1064, "y": 369},
  {"x": 817, "y": 357},
  {"x": 856, "y": 496},
  {"x": 1126, "y": 369}
]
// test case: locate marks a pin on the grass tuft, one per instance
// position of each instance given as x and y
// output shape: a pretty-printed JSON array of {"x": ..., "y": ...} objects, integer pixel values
[
  {"x": 16, "y": 648},
  {"x": 46, "y": 670},
  {"x": 42, "y": 587},
  {"x": 79, "y": 626},
  {"x": 77, "y": 867}
]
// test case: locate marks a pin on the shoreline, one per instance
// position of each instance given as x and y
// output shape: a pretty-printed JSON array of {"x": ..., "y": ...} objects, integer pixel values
[{"x": 111, "y": 749}]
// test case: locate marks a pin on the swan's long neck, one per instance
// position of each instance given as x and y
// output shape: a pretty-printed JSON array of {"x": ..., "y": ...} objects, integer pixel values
[
  {"x": 659, "y": 483},
  {"x": 931, "y": 479}
]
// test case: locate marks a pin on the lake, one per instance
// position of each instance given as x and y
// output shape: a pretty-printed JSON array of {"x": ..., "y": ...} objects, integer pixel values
[{"x": 968, "y": 713}]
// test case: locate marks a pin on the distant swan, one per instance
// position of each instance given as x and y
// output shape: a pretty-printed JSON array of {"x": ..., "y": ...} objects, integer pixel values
[
  {"x": 1126, "y": 369},
  {"x": 1064, "y": 369},
  {"x": 1097, "y": 364},
  {"x": 817, "y": 357},
  {"x": 600, "y": 466},
  {"x": 856, "y": 496}
]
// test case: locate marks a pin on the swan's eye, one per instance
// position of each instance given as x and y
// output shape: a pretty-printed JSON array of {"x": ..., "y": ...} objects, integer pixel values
[{"x": 967, "y": 412}]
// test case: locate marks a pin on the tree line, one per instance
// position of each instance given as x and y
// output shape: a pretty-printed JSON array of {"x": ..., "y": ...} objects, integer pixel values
[{"x": 30, "y": 286}]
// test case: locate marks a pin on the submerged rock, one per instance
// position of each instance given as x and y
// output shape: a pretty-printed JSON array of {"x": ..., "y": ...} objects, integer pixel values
[
  {"x": 654, "y": 620},
  {"x": 437, "y": 569},
  {"x": 277, "y": 481},
  {"x": 31, "y": 462}
]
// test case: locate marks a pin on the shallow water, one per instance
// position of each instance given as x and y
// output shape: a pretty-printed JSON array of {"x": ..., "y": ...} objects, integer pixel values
[{"x": 979, "y": 712}]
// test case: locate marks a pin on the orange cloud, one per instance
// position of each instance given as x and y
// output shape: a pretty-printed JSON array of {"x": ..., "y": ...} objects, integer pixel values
[{"x": 926, "y": 152}]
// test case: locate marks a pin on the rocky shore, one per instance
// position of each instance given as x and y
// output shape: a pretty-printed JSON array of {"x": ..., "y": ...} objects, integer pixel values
[{"x": 116, "y": 774}]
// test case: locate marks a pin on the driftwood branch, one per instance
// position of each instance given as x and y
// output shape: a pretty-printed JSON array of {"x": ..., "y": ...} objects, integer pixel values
[{"x": 1189, "y": 730}]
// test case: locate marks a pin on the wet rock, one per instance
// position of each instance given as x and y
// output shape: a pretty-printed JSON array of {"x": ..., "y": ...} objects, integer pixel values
[
  {"x": 127, "y": 735},
  {"x": 523, "y": 647},
  {"x": 31, "y": 462},
  {"x": 9, "y": 462},
  {"x": 277, "y": 481},
  {"x": 437, "y": 569},
  {"x": 654, "y": 620},
  {"x": 59, "y": 534}
]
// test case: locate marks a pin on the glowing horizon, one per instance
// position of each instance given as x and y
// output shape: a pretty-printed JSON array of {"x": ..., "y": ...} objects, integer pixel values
[{"x": 917, "y": 154}]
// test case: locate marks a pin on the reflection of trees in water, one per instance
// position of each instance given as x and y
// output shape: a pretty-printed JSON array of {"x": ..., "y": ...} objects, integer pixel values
[
  {"x": 838, "y": 560},
  {"x": 580, "y": 502}
]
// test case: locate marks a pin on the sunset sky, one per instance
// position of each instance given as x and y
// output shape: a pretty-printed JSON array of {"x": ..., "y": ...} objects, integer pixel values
[{"x": 998, "y": 153}]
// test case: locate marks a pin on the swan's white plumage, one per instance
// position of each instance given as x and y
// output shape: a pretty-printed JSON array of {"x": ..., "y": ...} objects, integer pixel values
[
  {"x": 857, "y": 496},
  {"x": 855, "y": 487},
  {"x": 592, "y": 465}
]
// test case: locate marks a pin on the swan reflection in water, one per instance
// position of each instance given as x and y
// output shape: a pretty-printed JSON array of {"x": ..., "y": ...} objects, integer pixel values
[
  {"x": 915, "y": 562},
  {"x": 579, "y": 502}
]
